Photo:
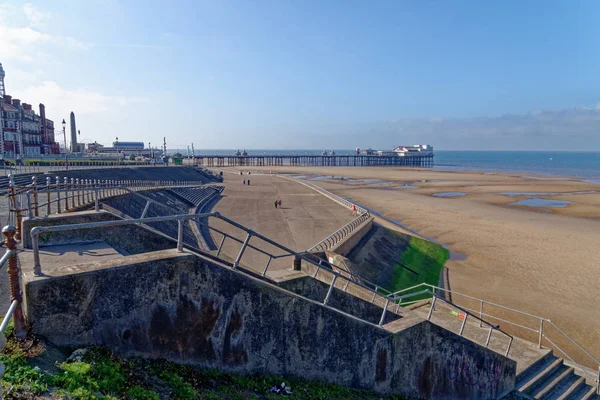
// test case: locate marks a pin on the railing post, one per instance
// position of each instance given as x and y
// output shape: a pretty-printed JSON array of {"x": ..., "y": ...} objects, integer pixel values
[
  {"x": 221, "y": 245},
  {"x": 387, "y": 302},
  {"x": 14, "y": 278},
  {"x": 73, "y": 186},
  {"x": 35, "y": 196},
  {"x": 330, "y": 289},
  {"x": 78, "y": 187},
  {"x": 508, "y": 347},
  {"x": 180, "y": 235},
  {"x": 598, "y": 381},
  {"x": 267, "y": 266},
  {"x": 146, "y": 209},
  {"x": 96, "y": 205},
  {"x": 480, "y": 313},
  {"x": 58, "y": 194},
  {"x": 489, "y": 336},
  {"x": 11, "y": 189},
  {"x": 236, "y": 263},
  {"x": 29, "y": 210},
  {"x": 48, "y": 207},
  {"x": 66, "y": 194},
  {"x": 541, "y": 333},
  {"x": 462, "y": 327},
  {"x": 431, "y": 309}
]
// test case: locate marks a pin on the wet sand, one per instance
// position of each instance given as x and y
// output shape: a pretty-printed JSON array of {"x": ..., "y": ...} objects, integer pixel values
[{"x": 543, "y": 261}]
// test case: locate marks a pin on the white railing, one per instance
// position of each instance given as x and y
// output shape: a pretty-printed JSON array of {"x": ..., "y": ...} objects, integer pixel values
[
  {"x": 39, "y": 199},
  {"x": 334, "y": 197},
  {"x": 339, "y": 235},
  {"x": 540, "y": 329}
]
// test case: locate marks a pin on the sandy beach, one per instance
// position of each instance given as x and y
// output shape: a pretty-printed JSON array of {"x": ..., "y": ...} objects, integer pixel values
[{"x": 541, "y": 260}]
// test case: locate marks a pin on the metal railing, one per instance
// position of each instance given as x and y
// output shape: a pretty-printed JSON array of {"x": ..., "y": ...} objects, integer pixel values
[
  {"x": 245, "y": 244},
  {"x": 334, "y": 197},
  {"x": 14, "y": 276},
  {"x": 467, "y": 314},
  {"x": 540, "y": 329},
  {"x": 67, "y": 194},
  {"x": 341, "y": 234}
]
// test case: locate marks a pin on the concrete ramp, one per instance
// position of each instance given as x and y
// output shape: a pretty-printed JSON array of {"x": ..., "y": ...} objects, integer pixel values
[{"x": 394, "y": 260}]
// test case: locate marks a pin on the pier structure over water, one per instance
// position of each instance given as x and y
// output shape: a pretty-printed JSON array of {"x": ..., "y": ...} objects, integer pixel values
[{"x": 315, "y": 160}]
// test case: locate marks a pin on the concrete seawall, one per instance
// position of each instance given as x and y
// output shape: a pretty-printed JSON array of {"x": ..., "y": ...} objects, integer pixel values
[{"x": 189, "y": 309}]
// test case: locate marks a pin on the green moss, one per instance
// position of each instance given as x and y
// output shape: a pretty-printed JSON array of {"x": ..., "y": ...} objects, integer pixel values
[{"x": 421, "y": 262}]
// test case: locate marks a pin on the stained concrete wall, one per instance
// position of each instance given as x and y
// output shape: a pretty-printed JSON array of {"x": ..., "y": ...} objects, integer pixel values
[
  {"x": 129, "y": 239},
  {"x": 191, "y": 310},
  {"x": 316, "y": 290}
]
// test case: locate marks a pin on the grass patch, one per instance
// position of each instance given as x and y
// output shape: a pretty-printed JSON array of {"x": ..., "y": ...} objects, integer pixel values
[
  {"x": 101, "y": 374},
  {"x": 421, "y": 262}
]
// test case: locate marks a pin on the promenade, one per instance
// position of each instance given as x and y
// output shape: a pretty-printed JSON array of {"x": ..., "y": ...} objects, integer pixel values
[{"x": 304, "y": 219}]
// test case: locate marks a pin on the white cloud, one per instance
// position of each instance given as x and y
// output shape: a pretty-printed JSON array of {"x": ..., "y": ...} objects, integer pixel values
[
  {"x": 23, "y": 35},
  {"x": 61, "y": 101},
  {"x": 35, "y": 16}
]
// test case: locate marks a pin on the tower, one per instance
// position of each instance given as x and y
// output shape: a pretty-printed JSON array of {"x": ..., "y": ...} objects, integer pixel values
[
  {"x": 2, "y": 88},
  {"x": 74, "y": 148}
]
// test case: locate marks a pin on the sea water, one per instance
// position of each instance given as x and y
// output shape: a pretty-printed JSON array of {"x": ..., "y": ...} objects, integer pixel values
[{"x": 584, "y": 165}]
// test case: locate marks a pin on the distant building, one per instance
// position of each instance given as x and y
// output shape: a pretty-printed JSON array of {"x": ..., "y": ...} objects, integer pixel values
[
  {"x": 11, "y": 130},
  {"x": 420, "y": 149},
  {"x": 23, "y": 132}
]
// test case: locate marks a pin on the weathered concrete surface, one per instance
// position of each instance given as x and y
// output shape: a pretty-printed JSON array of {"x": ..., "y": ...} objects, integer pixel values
[
  {"x": 317, "y": 290},
  {"x": 304, "y": 218},
  {"x": 128, "y": 239},
  {"x": 345, "y": 246},
  {"x": 188, "y": 309}
]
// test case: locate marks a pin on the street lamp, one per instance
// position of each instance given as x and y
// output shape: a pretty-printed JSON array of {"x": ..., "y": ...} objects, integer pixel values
[{"x": 64, "y": 125}]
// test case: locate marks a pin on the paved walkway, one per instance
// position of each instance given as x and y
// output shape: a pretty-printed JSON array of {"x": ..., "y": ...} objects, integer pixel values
[{"x": 304, "y": 219}]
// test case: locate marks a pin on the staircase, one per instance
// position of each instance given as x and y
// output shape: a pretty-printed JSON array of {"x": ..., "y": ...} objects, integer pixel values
[
  {"x": 540, "y": 374},
  {"x": 550, "y": 378}
]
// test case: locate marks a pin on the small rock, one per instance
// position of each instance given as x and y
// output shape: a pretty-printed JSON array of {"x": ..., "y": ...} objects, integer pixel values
[{"x": 77, "y": 355}]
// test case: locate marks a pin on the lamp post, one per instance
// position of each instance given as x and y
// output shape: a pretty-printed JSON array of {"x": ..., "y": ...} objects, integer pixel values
[
  {"x": 117, "y": 147},
  {"x": 64, "y": 125}
]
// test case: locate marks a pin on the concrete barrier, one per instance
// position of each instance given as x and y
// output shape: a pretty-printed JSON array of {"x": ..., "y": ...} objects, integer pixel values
[
  {"x": 345, "y": 246},
  {"x": 189, "y": 309},
  {"x": 127, "y": 239}
]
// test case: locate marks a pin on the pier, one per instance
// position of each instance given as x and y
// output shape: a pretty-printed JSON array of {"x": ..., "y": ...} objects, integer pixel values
[{"x": 315, "y": 160}]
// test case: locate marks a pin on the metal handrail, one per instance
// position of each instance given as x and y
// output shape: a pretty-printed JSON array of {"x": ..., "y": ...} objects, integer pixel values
[
  {"x": 540, "y": 331},
  {"x": 35, "y": 233},
  {"x": 340, "y": 234},
  {"x": 324, "y": 192},
  {"x": 467, "y": 314},
  {"x": 8, "y": 316}
]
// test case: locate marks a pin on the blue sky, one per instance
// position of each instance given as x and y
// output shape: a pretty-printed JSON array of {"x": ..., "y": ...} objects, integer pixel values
[{"x": 312, "y": 74}]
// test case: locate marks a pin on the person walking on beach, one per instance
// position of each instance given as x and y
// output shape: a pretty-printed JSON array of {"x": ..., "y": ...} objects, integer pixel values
[
  {"x": 244, "y": 181},
  {"x": 248, "y": 182},
  {"x": 275, "y": 203},
  {"x": 279, "y": 203}
]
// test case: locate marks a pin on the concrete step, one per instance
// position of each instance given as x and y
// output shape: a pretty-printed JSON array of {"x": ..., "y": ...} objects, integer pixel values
[
  {"x": 570, "y": 387},
  {"x": 585, "y": 392},
  {"x": 540, "y": 377},
  {"x": 553, "y": 382}
]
